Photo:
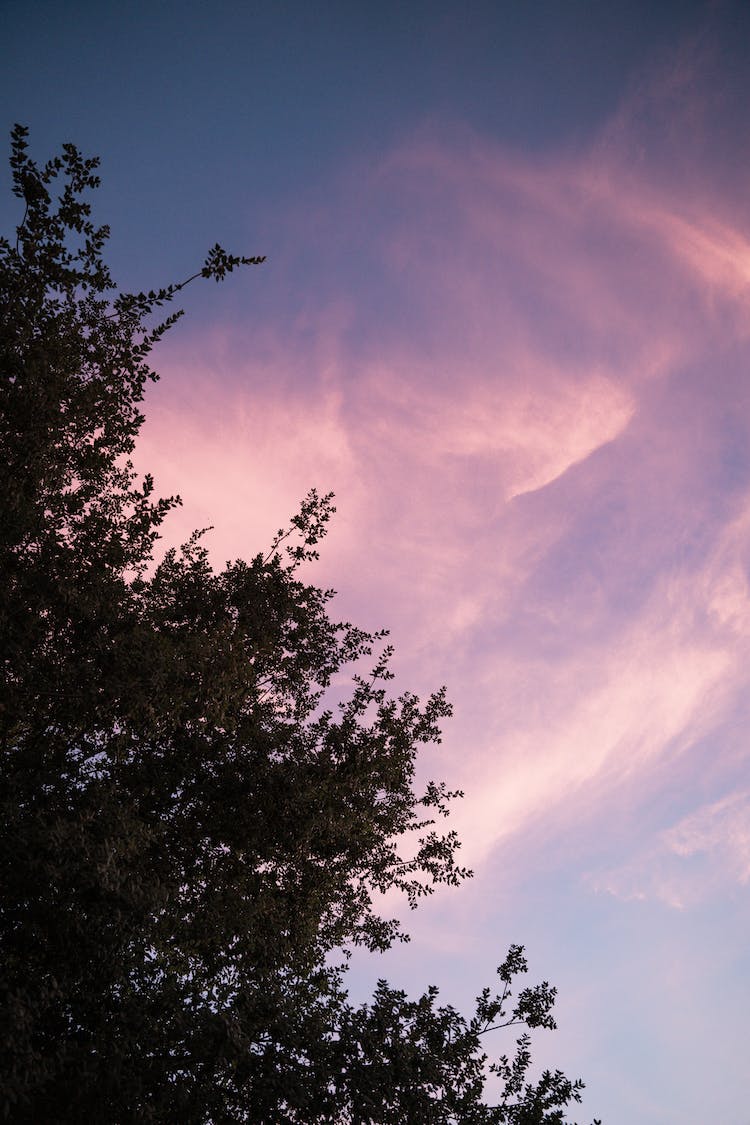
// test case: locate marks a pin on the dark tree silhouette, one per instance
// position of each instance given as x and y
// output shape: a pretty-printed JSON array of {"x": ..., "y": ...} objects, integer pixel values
[{"x": 188, "y": 832}]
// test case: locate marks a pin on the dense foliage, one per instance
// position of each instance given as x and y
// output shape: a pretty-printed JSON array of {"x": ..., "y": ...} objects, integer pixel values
[{"x": 189, "y": 832}]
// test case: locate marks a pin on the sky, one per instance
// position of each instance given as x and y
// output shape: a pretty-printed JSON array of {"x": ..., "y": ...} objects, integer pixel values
[{"x": 505, "y": 317}]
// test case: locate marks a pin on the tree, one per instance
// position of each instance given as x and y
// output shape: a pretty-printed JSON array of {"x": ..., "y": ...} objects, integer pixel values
[{"x": 190, "y": 833}]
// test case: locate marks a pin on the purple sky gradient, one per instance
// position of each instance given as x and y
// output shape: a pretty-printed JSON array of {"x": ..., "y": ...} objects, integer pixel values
[{"x": 523, "y": 369}]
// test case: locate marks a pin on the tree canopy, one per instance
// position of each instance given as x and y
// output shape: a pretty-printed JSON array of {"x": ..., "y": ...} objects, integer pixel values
[{"x": 192, "y": 834}]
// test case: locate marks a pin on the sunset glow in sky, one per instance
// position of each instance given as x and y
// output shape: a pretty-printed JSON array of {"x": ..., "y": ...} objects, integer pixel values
[{"x": 505, "y": 317}]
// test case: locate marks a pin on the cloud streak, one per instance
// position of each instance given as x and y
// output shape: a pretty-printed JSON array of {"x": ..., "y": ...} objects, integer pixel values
[
  {"x": 704, "y": 855},
  {"x": 530, "y": 456}
]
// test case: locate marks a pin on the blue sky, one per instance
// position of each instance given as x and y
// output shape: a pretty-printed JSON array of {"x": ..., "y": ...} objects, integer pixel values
[
  {"x": 209, "y": 113},
  {"x": 505, "y": 318}
]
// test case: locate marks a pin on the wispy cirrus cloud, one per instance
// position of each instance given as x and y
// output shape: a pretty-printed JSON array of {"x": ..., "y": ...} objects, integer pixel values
[
  {"x": 703, "y": 855},
  {"x": 537, "y": 441}
]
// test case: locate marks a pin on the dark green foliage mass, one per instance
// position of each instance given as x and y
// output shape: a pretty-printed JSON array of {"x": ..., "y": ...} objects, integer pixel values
[{"x": 191, "y": 838}]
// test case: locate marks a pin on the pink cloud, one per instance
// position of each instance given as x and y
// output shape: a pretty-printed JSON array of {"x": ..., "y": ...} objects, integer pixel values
[
  {"x": 524, "y": 454},
  {"x": 704, "y": 854},
  {"x": 722, "y": 827},
  {"x": 528, "y": 433}
]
